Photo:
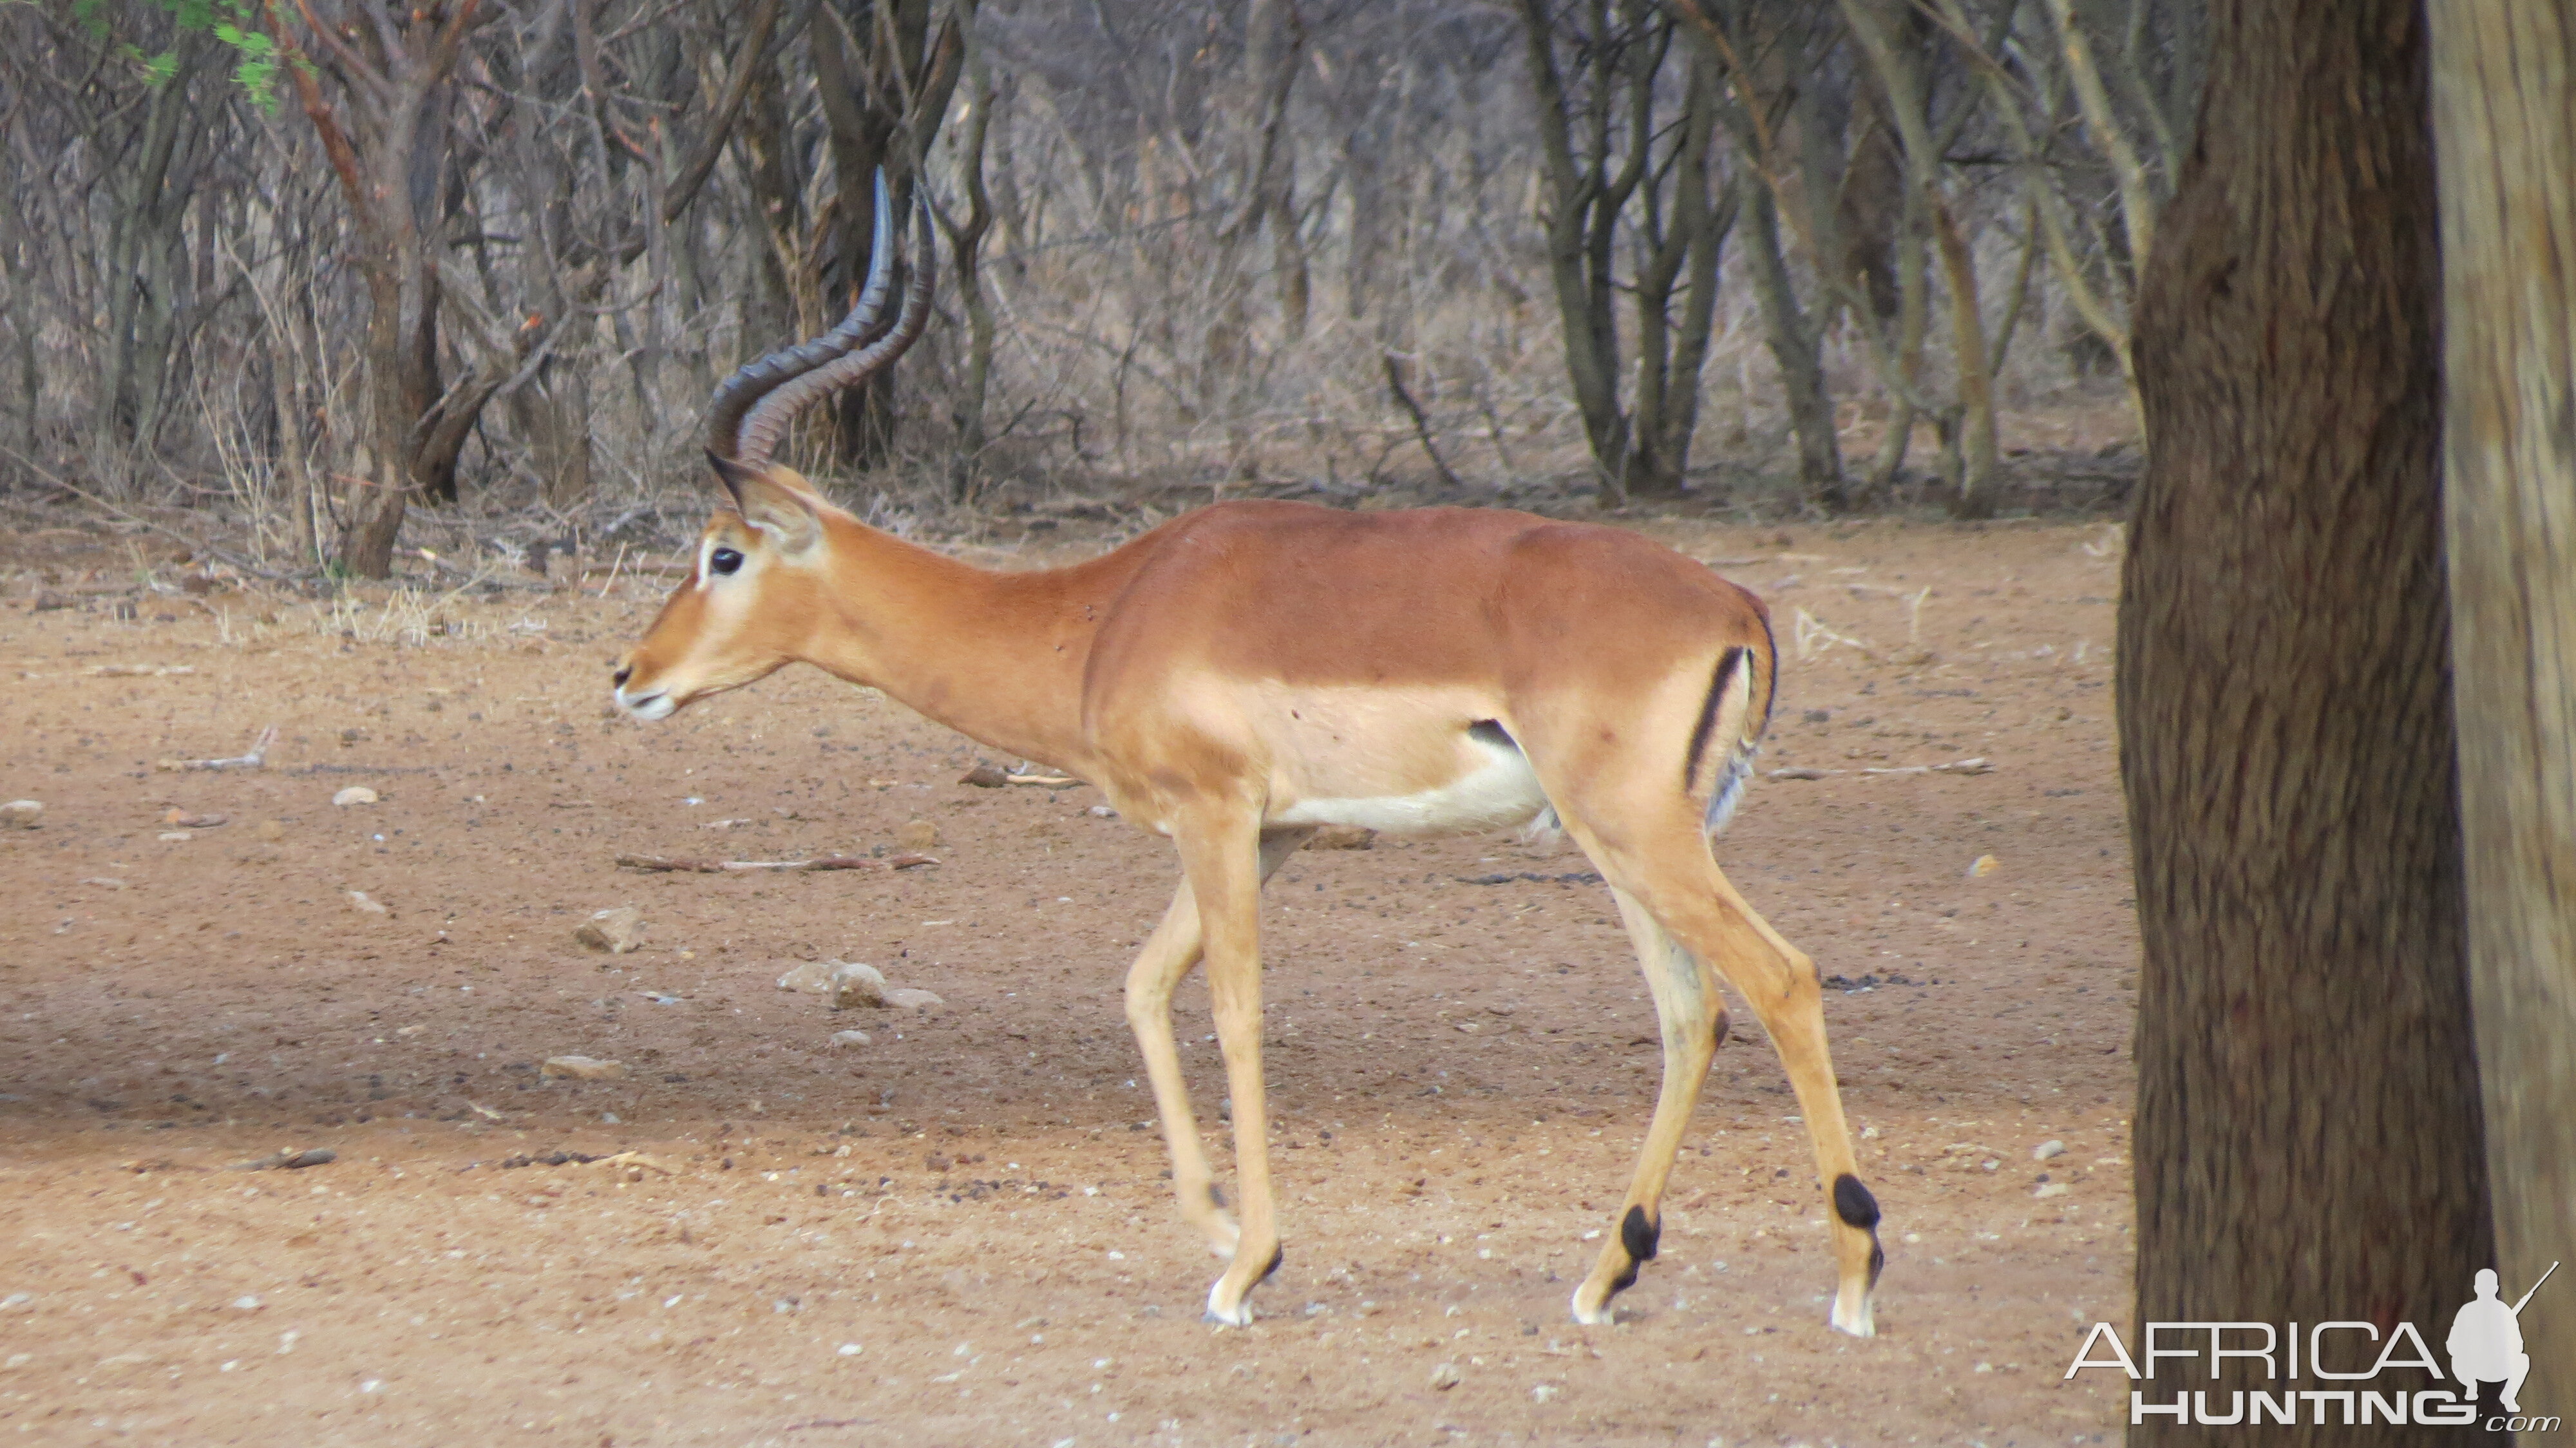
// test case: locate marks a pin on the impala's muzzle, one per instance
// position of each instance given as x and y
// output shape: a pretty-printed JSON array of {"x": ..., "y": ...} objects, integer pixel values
[
  {"x": 649, "y": 702},
  {"x": 650, "y": 705}
]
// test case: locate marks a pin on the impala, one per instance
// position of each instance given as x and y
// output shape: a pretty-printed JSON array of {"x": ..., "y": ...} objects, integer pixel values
[{"x": 1248, "y": 672}]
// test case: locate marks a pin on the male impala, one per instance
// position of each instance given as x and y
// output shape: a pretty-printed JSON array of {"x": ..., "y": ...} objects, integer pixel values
[{"x": 1248, "y": 672}]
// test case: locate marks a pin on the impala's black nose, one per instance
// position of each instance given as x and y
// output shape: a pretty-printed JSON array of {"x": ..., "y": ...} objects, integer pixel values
[{"x": 619, "y": 678}]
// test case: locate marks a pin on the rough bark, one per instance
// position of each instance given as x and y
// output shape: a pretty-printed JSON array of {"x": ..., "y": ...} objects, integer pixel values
[
  {"x": 2307, "y": 1131},
  {"x": 2504, "y": 98}
]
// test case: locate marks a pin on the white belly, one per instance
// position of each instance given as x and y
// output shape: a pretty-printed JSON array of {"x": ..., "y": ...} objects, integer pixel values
[{"x": 1500, "y": 793}]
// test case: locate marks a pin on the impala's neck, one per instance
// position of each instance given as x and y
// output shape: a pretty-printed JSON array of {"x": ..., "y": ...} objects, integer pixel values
[{"x": 995, "y": 656}]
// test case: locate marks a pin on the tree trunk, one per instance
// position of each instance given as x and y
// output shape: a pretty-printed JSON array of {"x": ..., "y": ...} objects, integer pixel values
[
  {"x": 1685, "y": 257},
  {"x": 2308, "y": 1132},
  {"x": 146, "y": 240},
  {"x": 884, "y": 84},
  {"x": 1976, "y": 425},
  {"x": 2505, "y": 120},
  {"x": 551, "y": 412},
  {"x": 1795, "y": 347},
  {"x": 966, "y": 248}
]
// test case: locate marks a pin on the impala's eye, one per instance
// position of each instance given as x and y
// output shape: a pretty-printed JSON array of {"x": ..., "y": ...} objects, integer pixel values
[{"x": 724, "y": 560}]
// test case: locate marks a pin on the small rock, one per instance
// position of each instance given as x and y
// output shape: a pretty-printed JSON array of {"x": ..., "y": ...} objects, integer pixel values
[
  {"x": 2053, "y": 1189},
  {"x": 918, "y": 835},
  {"x": 1545, "y": 1392},
  {"x": 21, "y": 814},
  {"x": 2047, "y": 1149},
  {"x": 855, "y": 983},
  {"x": 354, "y": 794},
  {"x": 181, "y": 819},
  {"x": 174, "y": 837},
  {"x": 270, "y": 830},
  {"x": 358, "y": 901},
  {"x": 814, "y": 977},
  {"x": 1103, "y": 812},
  {"x": 247, "y": 1303},
  {"x": 1343, "y": 837},
  {"x": 1985, "y": 865},
  {"x": 582, "y": 1068},
  {"x": 853, "y": 1038},
  {"x": 985, "y": 776},
  {"x": 917, "y": 999},
  {"x": 1445, "y": 1377},
  {"x": 616, "y": 931}
]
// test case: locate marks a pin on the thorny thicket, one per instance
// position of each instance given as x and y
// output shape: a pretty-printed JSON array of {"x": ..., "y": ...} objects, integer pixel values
[{"x": 352, "y": 279}]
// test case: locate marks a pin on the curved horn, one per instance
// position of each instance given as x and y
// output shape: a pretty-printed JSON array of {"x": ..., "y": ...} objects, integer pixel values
[
  {"x": 743, "y": 391},
  {"x": 768, "y": 417}
]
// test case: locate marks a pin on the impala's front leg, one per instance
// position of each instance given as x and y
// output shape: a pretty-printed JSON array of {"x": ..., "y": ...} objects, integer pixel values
[
  {"x": 1222, "y": 858},
  {"x": 1168, "y": 955}
]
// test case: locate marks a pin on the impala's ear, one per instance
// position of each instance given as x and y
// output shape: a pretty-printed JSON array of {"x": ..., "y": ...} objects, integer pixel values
[{"x": 782, "y": 512}]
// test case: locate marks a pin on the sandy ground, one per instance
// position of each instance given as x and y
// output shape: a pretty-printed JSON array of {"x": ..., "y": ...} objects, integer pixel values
[{"x": 959, "y": 1232}]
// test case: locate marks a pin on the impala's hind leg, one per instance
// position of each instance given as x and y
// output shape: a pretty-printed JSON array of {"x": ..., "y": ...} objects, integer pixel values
[
  {"x": 1692, "y": 899},
  {"x": 1694, "y": 1022},
  {"x": 1169, "y": 954}
]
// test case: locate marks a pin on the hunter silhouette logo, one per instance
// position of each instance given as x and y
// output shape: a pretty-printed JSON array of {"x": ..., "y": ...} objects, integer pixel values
[
  {"x": 2486, "y": 1341},
  {"x": 2485, "y": 1346}
]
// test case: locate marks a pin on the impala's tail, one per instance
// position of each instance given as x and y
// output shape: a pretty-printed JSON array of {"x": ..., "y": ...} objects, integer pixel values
[{"x": 1729, "y": 732}]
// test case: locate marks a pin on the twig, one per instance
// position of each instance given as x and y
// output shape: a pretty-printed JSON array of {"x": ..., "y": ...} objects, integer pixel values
[
  {"x": 820, "y": 862},
  {"x": 474, "y": 577},
  {"x": 1413, "y": 409},
  {"x": 256, "y": 758}
]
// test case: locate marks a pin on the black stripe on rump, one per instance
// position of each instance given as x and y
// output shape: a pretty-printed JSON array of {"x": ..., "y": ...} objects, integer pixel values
[
  {"x": 1727, "y": 664},
  {"x": 1771, "y": 685}
]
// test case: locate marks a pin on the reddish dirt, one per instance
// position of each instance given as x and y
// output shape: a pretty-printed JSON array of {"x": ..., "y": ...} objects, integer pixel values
[{"x": 960, "y": 1233}]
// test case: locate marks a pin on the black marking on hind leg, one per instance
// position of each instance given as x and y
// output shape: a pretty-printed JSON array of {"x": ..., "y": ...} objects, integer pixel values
[
  {"x": 1857, "y": 1208},
  {"x": 1719, "y": 1036},
  {"x": 1491, "y": 731},
  {"x": 1275, "y": 1254},
  {"x": 1853, "y": 1203},
  {"x": 1727, "y": 664},
  {"x": 1638, "y": 1235}
]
